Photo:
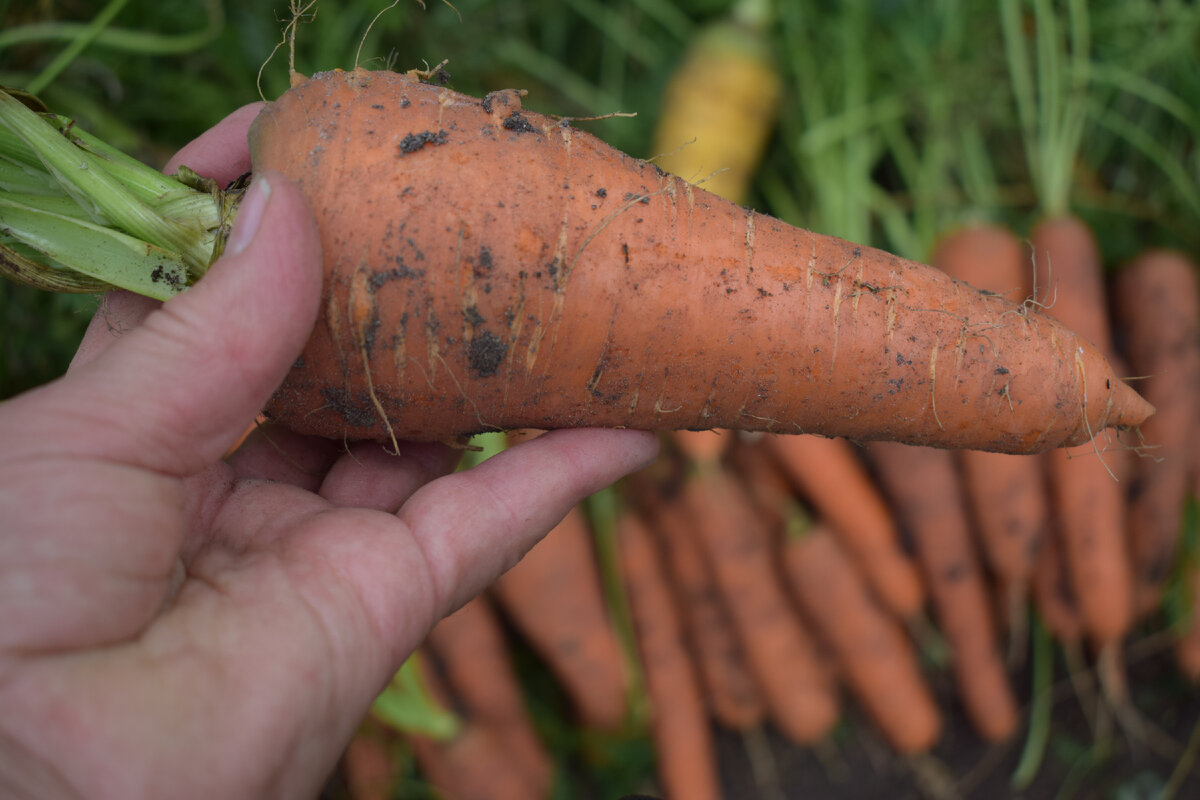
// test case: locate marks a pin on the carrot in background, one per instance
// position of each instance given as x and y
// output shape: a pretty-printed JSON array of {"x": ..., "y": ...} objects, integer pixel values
[
  {"x": 720, "y": 105},
  {"x": 1052, "y": 593},
  {"x": 554, "y": 598},
  {"x": 729, "y": 689},
  {"x": 473, "y": 652},
  {"x": 873, "y": 653},
  {"x": 798, "y": 688},
  {"x": 1088, "y": 502},
  {"x": 831, "y": 478},
  {"x": 477, "y": 762},
  {"x": 1006, "y": 494},
  {"x": 924, "y": 488},
  {"x": 369, "y": 764},
  {"x": 1157, "y": 305},
  {"x": 684, "y": 746}
]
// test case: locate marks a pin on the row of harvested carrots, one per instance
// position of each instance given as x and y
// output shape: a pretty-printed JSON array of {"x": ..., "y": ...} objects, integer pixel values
[{"x": 764, "y": 576}]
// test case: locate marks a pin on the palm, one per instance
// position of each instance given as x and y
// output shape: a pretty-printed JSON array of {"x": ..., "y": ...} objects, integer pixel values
[{"x": 180, "y": 624}]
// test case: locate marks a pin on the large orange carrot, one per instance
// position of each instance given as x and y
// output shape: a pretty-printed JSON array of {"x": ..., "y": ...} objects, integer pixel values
[
  {"x": 1007, "y": 494},
  {"x": 1157, "y": 301},
  {"x": 553, "y": 596},
  {"x": 729, "y": 689},
  {"x": 1088, "y": 502},
  {"x": 873, "y": 653},
  {"x": 924, "y": 489},
  {"x": 683, "y": 741},
  {"x": 831, "y": 478},
  {"x": 782, "y": 655},
  {"x": 506, "y": 270},
  {"x": 474, "y": 654}
]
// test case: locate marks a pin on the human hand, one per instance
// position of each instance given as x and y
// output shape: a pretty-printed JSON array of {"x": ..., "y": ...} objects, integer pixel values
[{"x": 177, "y": 624}]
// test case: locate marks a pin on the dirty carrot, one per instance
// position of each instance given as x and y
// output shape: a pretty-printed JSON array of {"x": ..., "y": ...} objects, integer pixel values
[
  {"x": 838, "y": 487},
  {"x": 1088, "y": 502},
  {"x": 783, "y": 656},
  {"x": 471, "y": 647},
  {"x": 728, "y": 687},
  {"x": 1006, "y": 493},
  {"x": 924, "y": 488},
  {"x": 1052, "y": 593},
  {"x": 1157, "y": 304},
  {"x": 506, "y": 270},
  {"x": 685, "y": 750},
  {"x": 874, "y": 655},
  {"x": 554, "y": 598}
]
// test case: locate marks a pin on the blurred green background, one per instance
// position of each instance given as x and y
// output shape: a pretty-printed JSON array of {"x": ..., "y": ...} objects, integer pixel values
[{"x": 899, "y": 120}]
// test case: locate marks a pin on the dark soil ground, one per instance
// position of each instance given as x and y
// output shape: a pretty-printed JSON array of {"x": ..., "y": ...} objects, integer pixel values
[{"x": 1099, "y": 758}]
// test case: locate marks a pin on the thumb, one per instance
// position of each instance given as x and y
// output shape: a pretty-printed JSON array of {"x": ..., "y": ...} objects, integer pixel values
[{"x": 173, "y": 394}]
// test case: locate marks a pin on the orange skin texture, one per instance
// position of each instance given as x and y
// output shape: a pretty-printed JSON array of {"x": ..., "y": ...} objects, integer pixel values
[{"x": 491, "y": 268}]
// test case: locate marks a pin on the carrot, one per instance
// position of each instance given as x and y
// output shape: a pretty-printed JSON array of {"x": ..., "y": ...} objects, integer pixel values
[
  {"x": 1088, "y": 503},
  {"x": 872, "y": 651},
  {"x": 370, "y": 769},
  {"x": 830, "y": 476},
  {"x": 720, "y": 106},
  {"x": 685, "y": 750},
  {"x": 554, "y": 598},
  {"x": 925, "y": 491},
  {"x": 1187, "y": 649},
  {"x": 1157, "y": 304},
  {"x": 1052, "y": 593},
  {"x": 729, "y": 689},
  {"x": 473, "y": 765},
  {"x": 514, "y": 305},
  {"x": 507, "y": 271},
  {"x": 783, "y": 657},
  {"x": 476, "y": 763},
  {"x": 1006, "y": 493},
  {"x": 471, "y": 648}
]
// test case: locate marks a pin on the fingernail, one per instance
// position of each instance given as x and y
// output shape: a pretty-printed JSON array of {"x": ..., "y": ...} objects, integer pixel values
[{"x": 249, "y": 216}]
